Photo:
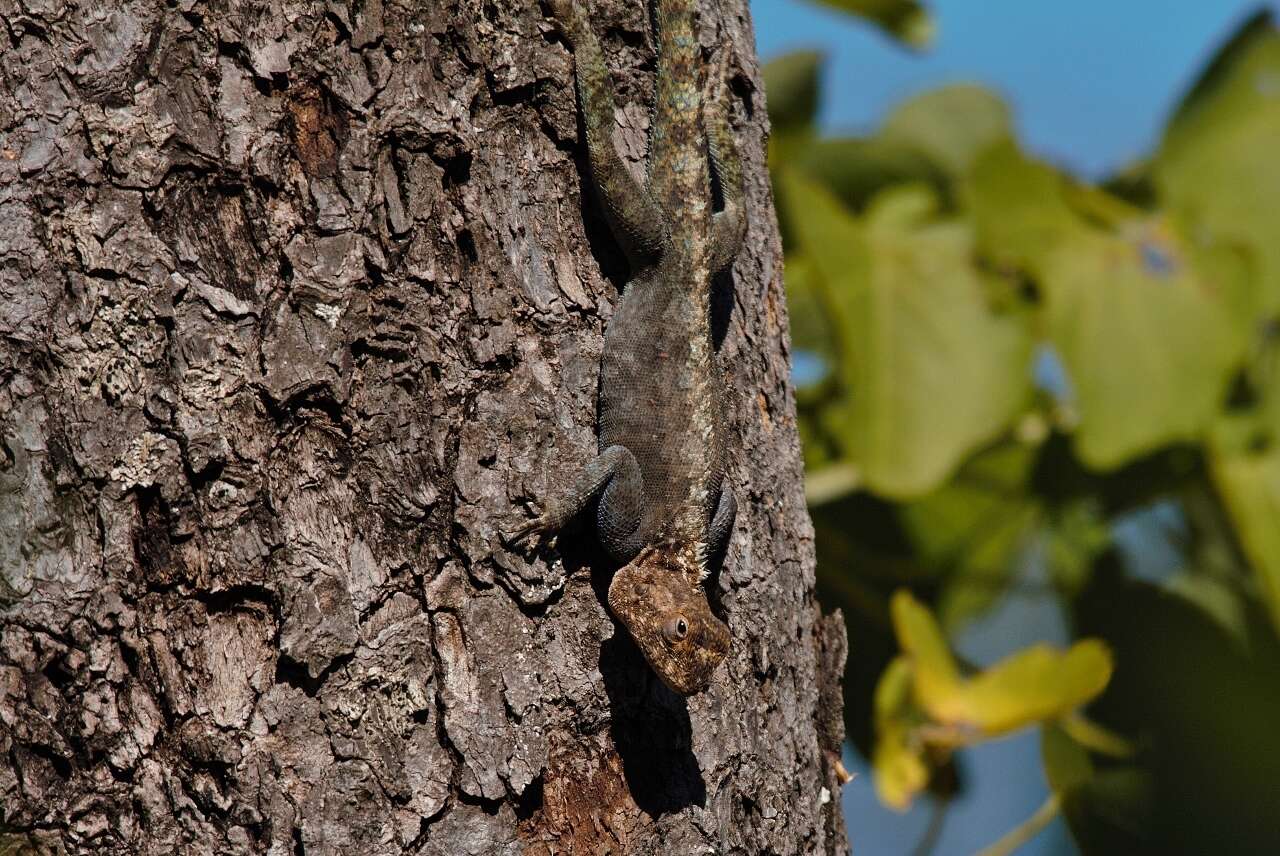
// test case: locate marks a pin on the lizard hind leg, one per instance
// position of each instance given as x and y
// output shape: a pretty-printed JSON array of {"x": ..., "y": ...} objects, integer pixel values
[
  {"x": 728, "y": 226},
  {"x": 632, "y": 213}
]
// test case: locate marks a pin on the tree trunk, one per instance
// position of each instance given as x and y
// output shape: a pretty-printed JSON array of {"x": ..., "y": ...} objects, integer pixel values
[{"x": 298, "y": 304}]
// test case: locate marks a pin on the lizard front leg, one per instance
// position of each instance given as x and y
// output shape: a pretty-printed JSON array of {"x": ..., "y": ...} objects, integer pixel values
[
  {"x": 615, "y": 472},
  {"x": 728, "y": 226},
  {"x": 633, "y": 215}
]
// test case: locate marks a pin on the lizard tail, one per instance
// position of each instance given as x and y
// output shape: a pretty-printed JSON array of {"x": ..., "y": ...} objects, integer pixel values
[
  {"x": 678, "y": 141},
  {"x": 677, "y": 40}
]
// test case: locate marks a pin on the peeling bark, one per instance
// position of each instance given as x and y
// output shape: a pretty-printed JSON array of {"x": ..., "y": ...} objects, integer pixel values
[{"x": 297, "y": 301}]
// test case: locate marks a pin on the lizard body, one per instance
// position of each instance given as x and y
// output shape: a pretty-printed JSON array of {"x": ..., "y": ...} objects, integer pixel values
[{"x": 663, "y": 508}]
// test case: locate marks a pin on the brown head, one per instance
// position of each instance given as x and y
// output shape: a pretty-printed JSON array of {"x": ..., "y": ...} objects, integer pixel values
[{"x": 657, "y": 597}]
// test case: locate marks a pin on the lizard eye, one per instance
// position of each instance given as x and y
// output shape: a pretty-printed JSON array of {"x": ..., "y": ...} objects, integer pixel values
[{"x": 676, "y": 628}]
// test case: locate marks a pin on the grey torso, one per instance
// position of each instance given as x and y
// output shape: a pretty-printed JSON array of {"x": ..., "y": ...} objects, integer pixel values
[{"x": 657, "y": 398}]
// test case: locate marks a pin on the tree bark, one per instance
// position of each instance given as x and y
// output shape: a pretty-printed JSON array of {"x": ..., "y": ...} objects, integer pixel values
[{"x": 299, "y": 302}]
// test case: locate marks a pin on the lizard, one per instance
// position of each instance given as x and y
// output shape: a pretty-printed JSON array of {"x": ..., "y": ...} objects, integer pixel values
[{"x": 664, "y": 507}]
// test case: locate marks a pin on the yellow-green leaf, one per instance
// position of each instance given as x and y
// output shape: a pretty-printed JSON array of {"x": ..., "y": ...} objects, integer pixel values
[
  {"x": 900, "y": 769},
  {"x": 932, "y": 371},
  {"x": 893, "y": 691},
  {"x": 1148, "y": 344},
  {"x": 1217, "y": 165},
  {"x": 1018, "y": 207},
  {"x": 897, "y": 760},
  {"x": 934, "y": 672},
  {"x": 1035, "y": 684}
]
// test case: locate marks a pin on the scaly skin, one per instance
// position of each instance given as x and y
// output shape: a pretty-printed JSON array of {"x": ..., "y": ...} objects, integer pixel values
[{"x": 663, "y": 508}]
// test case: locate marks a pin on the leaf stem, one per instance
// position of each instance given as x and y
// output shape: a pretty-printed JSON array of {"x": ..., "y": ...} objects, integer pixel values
[{"x": 1027, "y": 830}]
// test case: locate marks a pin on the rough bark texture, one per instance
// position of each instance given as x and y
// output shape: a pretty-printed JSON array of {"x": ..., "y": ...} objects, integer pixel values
[{"x": 296, "y": 301}]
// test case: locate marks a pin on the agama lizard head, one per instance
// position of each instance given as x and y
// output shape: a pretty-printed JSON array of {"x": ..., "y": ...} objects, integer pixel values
[{"x": 664, "y": 608}]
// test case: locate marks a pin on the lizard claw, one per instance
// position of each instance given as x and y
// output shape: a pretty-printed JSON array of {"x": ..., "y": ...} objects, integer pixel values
[{"x": 536, "y": 532}]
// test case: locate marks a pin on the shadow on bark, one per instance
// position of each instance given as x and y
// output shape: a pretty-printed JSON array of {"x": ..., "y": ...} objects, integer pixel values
[
  {"x": 649, "y": 723},
  {"x": 651, "y": 730}
]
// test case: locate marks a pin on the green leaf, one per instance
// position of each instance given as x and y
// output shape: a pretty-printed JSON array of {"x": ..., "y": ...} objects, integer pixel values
[
  {"x": 1148, "y": 344},
  {"x": 1015, "y": 839},
  {"x": 1078, "y": 533},
  {"x": 830, "y": 483},
  {"x": 905, "y": 19},
  {"x": 1216, "y": 168},
  {"x": 944, "y": 524},
  {"x": 1264, "y": 372},
  {"x": 855, "y": 169},
  {"x": 1066, "y": 763},
  {"x": 1095, "y": 737},
  {"x": 984, "y": 575},
  {"x": 1219, "y": 602},
  {"x": 951, "y": 124},
  {"x": 791, "y": 91},
  {"x": 932, "y": 371},
  {"x": 809, "y": 331},
  {"x": 930, "y": 139},
  {"x": 1248, "y": 479},
  {"x": 1093, "y": 799},
  {"x": 1111, "y": 812},
  {"x": 973, "y": 528}
]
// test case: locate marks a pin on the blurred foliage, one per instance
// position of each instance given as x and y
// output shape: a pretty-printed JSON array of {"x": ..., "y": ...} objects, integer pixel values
[
  {"x": 1001, "y": 369},
  {"x": 924, "y": 706},
  {"x": 906, "y": 19}
]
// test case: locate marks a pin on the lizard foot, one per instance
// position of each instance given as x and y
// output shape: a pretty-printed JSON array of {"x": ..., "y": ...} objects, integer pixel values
[
  {"x": 717, "y": 82},
  {"x": 565, "y": 14}
]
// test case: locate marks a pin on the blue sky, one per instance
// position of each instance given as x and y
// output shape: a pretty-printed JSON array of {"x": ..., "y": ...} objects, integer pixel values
[{"x": 1091, "y": 82}]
